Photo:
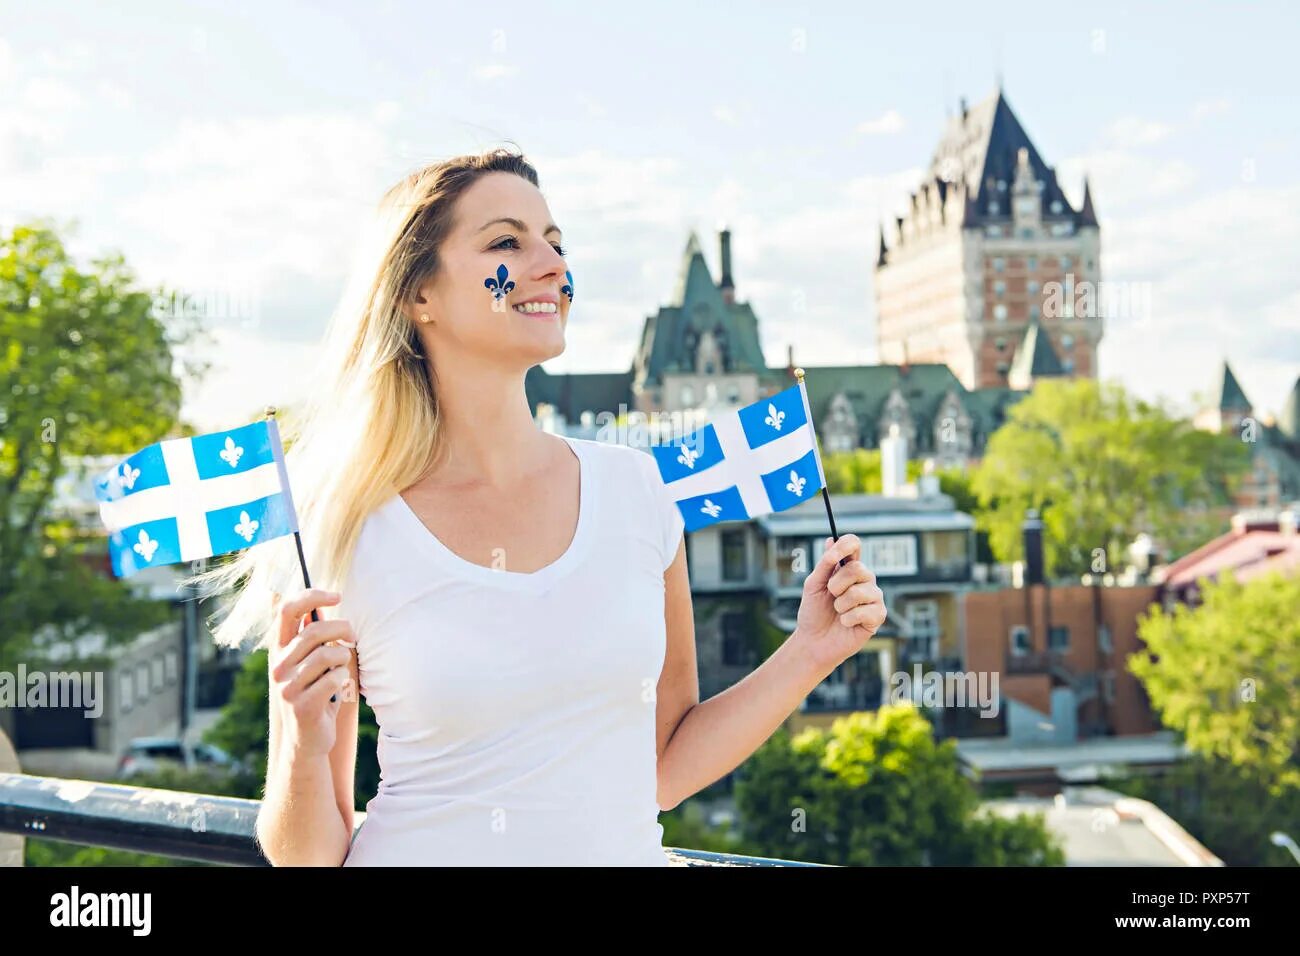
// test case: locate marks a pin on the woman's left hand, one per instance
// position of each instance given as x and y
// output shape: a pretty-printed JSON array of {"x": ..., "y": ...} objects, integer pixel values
[{"x": 842, "y": 608}]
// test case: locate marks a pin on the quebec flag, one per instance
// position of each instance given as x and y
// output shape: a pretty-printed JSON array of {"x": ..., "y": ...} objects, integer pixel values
[
  {"x": 191, "y": 498},
  {"x": 753, "y": 461}
]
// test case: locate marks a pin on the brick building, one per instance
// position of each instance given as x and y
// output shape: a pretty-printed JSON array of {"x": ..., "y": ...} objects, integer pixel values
[{"x": 991, "y": 268}]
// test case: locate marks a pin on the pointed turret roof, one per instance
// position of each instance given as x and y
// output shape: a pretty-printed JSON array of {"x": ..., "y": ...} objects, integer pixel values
[
  {"x": 981, "y": 147},
  {"x": 696, "y": 307},
  {"x": 1231, "y": 396},
  {"x": 1034, "y": 359},
  {"x": 1087, "y": 215}
]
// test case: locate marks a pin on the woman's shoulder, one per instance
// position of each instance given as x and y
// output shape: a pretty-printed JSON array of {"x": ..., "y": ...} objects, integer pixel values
[{"x": 620, "y": 458}]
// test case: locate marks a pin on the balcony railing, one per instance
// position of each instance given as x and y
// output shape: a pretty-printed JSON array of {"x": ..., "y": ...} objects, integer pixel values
[{"x": 188, "y": 826}]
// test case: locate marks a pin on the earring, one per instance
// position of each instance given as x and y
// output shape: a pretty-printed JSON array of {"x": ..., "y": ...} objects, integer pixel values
[{"x": 424, "y": 318}]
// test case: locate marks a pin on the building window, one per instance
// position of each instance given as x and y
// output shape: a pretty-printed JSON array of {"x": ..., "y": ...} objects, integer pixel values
[
  {"x": 1068, "y": 365},
  {"x": 1002, "y": 368},
  {"x": 737, "y": 650},
  {"x": 1035, "y": 311},
  {"x": 1108, "y": 687},
  {"x": 944, "y": 552},
  {"x": 1104, "y": 641},
  {"x": 1058, "y": 638},
  {"x": 1000, "y": 344},
  {"x": 125, "y": 691},
  {"x": 1066, "y": 262},
  {"x": 1020, "y": 640},
  {"x": 1056, "y": 205},
  {"x": 1026, "y": 233},
  {"x": 999, "y": 264},
  {"x": 734, "y": 559},
  {"x": 170, "y": 664},
  {"x": 1032, "y": 286},
  {"x": 156, "y": 666},
  {"x": 1067, "y": 341},
  {"x": 1000, "y": 312},
  {"x": 1033, "y": 263},
  {"x": 993, "y": 207},
  {"x": 688, "y": 395},
  {"x": 923, "y": 629},
  {"x": 999, "y": 288},
  {"x": 733, "y": 395}
]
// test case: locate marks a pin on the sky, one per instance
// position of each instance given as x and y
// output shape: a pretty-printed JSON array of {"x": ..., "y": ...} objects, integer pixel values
[{"x": 232, "y": 151}]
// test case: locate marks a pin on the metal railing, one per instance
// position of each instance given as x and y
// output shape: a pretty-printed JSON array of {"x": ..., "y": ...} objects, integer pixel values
[{"x": 190, "y": 826}]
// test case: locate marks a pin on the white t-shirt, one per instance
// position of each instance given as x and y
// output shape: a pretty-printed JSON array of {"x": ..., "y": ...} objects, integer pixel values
[{"x": 517, "y": 711}]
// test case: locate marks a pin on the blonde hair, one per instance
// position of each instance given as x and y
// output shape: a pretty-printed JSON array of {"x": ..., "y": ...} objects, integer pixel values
[{"x": 370, "y": 427}]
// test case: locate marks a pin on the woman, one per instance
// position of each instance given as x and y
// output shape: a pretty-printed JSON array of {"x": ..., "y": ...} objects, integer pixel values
[{"x": 513, "y": 605}]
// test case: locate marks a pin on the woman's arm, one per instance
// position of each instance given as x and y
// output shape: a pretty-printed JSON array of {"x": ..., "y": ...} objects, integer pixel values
[
  {"x": 841, "y": 609},
  {"x": 306, "y": 816}
]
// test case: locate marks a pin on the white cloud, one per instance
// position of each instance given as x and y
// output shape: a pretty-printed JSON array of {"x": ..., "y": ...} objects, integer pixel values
[
  {"x": 1135, "y": 131},
  {"x": 888, "y": 122},
  {"x": 495, "y": 71},
  {"x": 1211, "y": 107},
  {"x": 726, "y": 114}
]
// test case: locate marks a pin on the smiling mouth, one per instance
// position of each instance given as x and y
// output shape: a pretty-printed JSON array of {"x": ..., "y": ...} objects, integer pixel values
[{"x": 538, "y": 310}]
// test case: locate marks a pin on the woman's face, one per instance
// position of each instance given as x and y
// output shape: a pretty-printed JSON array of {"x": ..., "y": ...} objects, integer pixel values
[{"x": 503, "y": 251}]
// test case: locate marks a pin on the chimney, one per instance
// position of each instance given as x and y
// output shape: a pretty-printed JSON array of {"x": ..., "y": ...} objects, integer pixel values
[
  {"x": 789, "y": 359},
  {"x": 964, "y": 111},
  {"x": 1032, "y": 530},
  {"x": 893, "y": 462},
  {"x": 725, "y": 285}
]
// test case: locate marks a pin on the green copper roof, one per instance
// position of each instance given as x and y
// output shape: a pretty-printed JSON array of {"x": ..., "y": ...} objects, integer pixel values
[{"x": 1230, "y": 395}]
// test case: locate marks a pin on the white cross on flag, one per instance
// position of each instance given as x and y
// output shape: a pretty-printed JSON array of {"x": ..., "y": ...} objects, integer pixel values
[
  {"x": 753, "y": 461},
  {"x": 191, "y": 498}
]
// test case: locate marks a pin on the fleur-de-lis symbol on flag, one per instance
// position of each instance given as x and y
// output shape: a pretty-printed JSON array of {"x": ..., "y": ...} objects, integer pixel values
[
  {"x": 688, "y": 456},
  {"x": 247, "y": 527},
  {"x": 499, "y": 286},
  {"x": 710, "y": 509},
  {"x": 796, "y": 483},
  {"x": 774, "y": 416},
  {"x": 231, "y": 453},
  {"x": 145, "y": 547},
  {"x": 126, "y": 478}
]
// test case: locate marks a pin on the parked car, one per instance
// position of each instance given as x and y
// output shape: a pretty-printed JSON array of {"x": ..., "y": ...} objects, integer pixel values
[{"x": 147, "y": 754}]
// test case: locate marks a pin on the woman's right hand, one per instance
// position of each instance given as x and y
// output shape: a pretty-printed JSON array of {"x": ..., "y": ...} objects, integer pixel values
[{"x": 308, "y": 667}]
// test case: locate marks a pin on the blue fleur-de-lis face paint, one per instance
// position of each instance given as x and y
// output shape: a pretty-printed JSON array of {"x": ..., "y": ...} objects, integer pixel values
[
  {"x": 567, "y": 288},
  {"x": 499, "y": 287}
]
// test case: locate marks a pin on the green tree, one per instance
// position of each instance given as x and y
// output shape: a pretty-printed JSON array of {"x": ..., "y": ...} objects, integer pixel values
[
  {"x": 86, "y": 368},
  {"x": 1100, "y": 467},
  {"x": 1226, "y": 674},
  {"x": 1206, "y": 795},
  {"x": 858, "y": 472},
  {"x": 876, "y": 789}
]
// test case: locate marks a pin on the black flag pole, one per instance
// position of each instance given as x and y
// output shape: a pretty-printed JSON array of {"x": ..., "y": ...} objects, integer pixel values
[
  {"x": 297, "y": 537},
  {"x": 826, "y": 498}
]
